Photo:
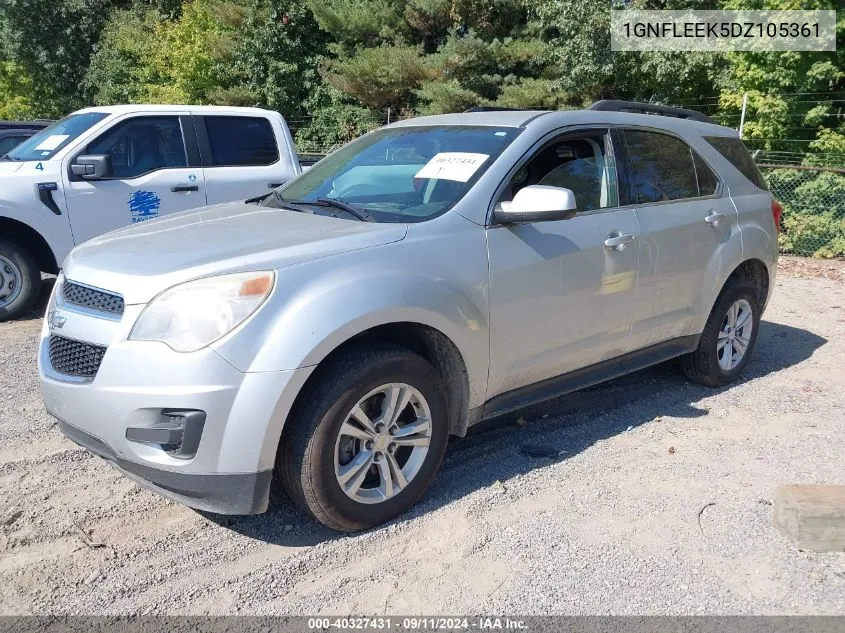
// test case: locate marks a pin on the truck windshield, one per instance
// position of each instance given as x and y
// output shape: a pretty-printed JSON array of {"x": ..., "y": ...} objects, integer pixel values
[
  {"x": 50, "y": 140},
  {"x": 405, "y": 174}
]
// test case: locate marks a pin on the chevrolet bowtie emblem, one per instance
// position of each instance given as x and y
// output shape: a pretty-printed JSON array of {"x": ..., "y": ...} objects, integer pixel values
[{"x": 55, "y": 321}]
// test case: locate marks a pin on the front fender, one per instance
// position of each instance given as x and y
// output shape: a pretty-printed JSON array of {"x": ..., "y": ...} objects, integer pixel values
[
  {"x": 319, "y": 305},
  {"x": 19, "y": 201}
]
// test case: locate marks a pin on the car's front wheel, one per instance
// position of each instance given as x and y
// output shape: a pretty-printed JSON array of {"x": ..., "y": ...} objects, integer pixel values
[
  {"x": 367, "y": 437},
  {"x": 20, "y": 281}
]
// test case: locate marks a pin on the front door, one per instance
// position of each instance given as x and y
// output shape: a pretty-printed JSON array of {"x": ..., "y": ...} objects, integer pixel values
[
  {"x": 150, "y": 177},
  {"x": 560, "y": 291}
]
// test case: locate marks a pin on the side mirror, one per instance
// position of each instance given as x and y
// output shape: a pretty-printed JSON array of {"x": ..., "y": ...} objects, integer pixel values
[
  {"x": 537, "y": 203},
  {"x": 92, "y": 166}
]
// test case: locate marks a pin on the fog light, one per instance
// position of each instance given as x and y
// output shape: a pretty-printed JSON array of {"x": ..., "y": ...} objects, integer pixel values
[{"x": 178, "y": 432}]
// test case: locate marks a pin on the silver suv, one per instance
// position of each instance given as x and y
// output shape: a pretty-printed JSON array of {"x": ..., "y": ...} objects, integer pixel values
[{"x": 328, "y": 338}]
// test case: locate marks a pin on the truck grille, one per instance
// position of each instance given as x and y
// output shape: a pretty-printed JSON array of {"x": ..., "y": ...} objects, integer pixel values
[
  {"x": 75, "y": 358},
  {"x": 92, "y": 299}
]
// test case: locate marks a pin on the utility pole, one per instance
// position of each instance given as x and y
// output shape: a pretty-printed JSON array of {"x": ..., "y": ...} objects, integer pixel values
[
  {"x": 742, "y": 116},
  {"x": 388, "y": 116}
]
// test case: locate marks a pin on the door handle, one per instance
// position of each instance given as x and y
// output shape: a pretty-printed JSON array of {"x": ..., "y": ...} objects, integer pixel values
[
  {"x": 184, "y": 187},
  {"x": 714, "y": 218},
  {"x": 616, "y": 241}
]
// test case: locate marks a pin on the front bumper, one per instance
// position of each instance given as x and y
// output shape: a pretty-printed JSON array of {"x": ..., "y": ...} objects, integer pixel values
[
  {"x": 230, "y": 471},
  {"x": 223, "y": 494}
]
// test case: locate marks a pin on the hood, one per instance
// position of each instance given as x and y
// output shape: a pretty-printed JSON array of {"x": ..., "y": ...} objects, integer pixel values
[
  {"x": 142, "y": 260},
  {"x": 9, "y": 167}
]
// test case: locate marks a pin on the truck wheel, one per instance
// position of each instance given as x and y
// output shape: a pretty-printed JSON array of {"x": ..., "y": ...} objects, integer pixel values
[
  {"x": 728, "y": 338},
  {"x": 368, "y": 437},
  {"x": 20, "y": 281}
]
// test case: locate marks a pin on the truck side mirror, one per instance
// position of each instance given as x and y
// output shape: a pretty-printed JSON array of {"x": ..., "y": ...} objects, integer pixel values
[{"x": 92, "y": 166}]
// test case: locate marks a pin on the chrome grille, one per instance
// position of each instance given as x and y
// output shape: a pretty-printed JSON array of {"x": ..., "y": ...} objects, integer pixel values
[
  {"x": 92, "y": 299},
  {"x": 75, "y": 358}
]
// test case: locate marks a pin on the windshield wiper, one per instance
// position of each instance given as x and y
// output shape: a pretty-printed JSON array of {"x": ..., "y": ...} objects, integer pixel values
[
  {"x": 283, "y": 204},
  {"x": 352, "y": 210}
]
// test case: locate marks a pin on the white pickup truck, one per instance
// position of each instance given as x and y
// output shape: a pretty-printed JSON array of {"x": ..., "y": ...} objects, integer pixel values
[{"x": 100, "y": 169}]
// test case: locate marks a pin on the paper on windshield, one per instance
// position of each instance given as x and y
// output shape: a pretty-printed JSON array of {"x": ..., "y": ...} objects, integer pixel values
[
  {"x": 458, "y": 166},
  {"x": 52, "y": 142}
]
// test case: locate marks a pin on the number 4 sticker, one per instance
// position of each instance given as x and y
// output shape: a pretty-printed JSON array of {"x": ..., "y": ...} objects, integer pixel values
[{"x": 39, "y": 167}]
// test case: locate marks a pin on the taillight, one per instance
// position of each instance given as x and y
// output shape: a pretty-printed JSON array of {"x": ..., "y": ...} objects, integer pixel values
[{"x": 777, "y": 212}]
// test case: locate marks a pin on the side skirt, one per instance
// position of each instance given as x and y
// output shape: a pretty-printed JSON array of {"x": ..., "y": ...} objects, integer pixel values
[{"x": 517, "y": 399}]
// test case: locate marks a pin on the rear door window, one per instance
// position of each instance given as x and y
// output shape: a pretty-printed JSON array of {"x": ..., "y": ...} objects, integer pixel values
[
  {"x": 662, "y": 167},
  {"x": 240, "y": 141},
  {"x": 733, "y": 149}
]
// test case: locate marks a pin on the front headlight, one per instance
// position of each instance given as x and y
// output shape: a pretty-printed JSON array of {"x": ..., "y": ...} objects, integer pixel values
[{"x": 194, "y": 314}]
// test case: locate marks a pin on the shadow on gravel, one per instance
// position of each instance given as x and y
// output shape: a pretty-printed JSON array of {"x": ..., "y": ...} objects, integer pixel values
[
  {"x": 553, "y": 431},
  {"x": 37, "y": 312}
]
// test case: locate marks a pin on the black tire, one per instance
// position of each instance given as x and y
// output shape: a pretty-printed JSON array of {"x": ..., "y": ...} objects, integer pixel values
[
  {"x": 29, "y": 279},
  {"x": 306, "y": 460},
  {"x": 702, "y": 365}
]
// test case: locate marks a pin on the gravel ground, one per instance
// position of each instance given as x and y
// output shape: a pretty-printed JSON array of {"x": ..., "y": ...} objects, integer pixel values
[{"x": 658, "y": 500}]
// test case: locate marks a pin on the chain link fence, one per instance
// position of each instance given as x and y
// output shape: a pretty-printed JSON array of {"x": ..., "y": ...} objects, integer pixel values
[{"x": 813, "y": 200}]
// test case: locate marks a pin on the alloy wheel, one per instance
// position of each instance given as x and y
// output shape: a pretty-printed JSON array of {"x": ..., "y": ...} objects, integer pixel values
[
  {"x": 735, "y": 335},
  {"x": 383, "y": 443}
]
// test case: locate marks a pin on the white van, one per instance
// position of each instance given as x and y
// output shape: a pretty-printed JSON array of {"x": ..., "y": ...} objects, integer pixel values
[{"x": 100, "y": 169}]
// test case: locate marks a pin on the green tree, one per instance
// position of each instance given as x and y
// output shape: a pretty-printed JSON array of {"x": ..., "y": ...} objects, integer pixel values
[
  {"x": 791, "y": 95},
  {"x": 587, "y": 69},
  {"x": 144, "y": 57},
  {"x": 121, "y": 71},
  {"x": 278, "y": 53},
  {"x": 50, "y": 42},
  {"x": 17, "y": 95},
  {"x": 436, "y": 55}
]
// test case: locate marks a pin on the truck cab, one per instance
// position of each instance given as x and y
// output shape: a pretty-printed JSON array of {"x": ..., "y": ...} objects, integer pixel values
[{"x": 100, "y": 169}]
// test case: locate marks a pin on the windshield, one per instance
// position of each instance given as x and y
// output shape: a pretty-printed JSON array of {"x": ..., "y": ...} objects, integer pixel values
[
  {"x": 406, "y": 174},
  {"x": 50, "y": 140}
]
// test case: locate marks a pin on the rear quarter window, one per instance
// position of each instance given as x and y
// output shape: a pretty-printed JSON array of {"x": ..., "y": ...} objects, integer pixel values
[{"x": 733, "y": 149}]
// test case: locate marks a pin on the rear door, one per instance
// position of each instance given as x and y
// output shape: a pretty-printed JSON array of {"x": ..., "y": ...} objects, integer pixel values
[
  {"x": 683, "y": 214},
  {"x": 154, "y": 173},
  {"x": 243, "y": 156}
]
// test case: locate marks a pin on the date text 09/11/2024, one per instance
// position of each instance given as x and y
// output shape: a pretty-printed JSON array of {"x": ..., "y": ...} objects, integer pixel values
[{"x": 417, "y": 623}]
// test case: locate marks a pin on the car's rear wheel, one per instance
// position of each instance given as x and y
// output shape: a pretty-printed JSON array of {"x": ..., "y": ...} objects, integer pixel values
[
  {"x": 366, "y": 439},
  {"x": 20, "y": 281},
  {"x": 728, "y": 339}
]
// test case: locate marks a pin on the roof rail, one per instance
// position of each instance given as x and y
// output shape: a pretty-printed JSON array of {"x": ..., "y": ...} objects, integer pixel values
[
  {"x": 492, "y": 109},
  {"x": 610, "y": 105}
]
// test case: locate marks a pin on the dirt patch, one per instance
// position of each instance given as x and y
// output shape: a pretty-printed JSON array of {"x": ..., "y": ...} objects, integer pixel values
[{"x": 832, "y": 269}]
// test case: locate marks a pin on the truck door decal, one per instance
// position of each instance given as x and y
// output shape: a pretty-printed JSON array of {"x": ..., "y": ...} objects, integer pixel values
[{"x": 143, "y": 205}]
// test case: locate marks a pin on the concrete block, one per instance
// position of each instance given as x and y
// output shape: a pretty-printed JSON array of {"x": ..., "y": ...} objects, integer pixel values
[{"x": 812, "y": 516}]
